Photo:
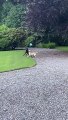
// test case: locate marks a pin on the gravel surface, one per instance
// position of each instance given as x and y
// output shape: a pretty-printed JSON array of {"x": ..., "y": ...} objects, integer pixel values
[{"x": 37, "y": 93}]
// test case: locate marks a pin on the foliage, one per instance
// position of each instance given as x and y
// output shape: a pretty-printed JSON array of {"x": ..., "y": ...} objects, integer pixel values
[
  {"x": 59, "y": 39},
  {"x": 39, "y": 45},
  {"x": 33, "y": 38},
  {"x": 6, "y": 7},
  {"x": 3, "y": 28},
  {"x": 13, "y": 15},
  {"x": 50, "y": 45},
  {"x": 11, "y": 38},
  {"x": 29, "y": 40},
  {"x": 47, "y": 18},
  {"x": 52, "y": 14}
]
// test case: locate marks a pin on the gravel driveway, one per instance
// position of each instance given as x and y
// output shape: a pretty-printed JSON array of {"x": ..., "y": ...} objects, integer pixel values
[{"x": 37, "y": 93}]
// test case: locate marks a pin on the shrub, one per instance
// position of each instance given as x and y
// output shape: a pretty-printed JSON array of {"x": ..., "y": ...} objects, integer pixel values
[
  {"x": 50, "y": 45},
  {"x": 11, "y": 38},
  {"x": 59, "y": 39},
  {"x": 40, "y": 45}
]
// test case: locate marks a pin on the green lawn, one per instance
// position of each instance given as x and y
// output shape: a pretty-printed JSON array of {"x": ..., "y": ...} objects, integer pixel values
[
  {"x": 63, "y": 48},
  {"x": 11, "y": 60}
]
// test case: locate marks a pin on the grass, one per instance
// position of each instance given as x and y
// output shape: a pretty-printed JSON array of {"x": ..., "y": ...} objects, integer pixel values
[
  {"x": 63, "y": 48},
  {"x": 11, "y": 60}
]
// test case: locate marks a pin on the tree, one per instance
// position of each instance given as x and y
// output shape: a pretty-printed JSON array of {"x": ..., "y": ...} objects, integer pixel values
[
  {"x": 13, "y": 15},
  {"x": 43, "y": 14},
  {"x": 11, "y": 37}
]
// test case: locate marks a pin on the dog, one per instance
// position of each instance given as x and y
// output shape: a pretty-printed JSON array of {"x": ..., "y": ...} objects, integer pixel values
[{"x": 32, "y": 54}]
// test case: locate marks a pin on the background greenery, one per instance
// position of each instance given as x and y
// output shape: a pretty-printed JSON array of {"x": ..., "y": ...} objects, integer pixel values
[
  {"x": 63, "y": 48},
  {"x": 42, "y": 23},
  {"x": 10, "y": 38}
]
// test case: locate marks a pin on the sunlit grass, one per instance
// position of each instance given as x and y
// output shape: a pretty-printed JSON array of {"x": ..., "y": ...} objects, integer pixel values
[{"x": 11, "y": 60}]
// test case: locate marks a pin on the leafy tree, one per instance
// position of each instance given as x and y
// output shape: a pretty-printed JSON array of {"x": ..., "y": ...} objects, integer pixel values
[
  {"x": 13, "y": 15},
  {"x": 50, "y": 16},
  {"x": 11, "y": 37},
  {"x": 5, "y": 10}
]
